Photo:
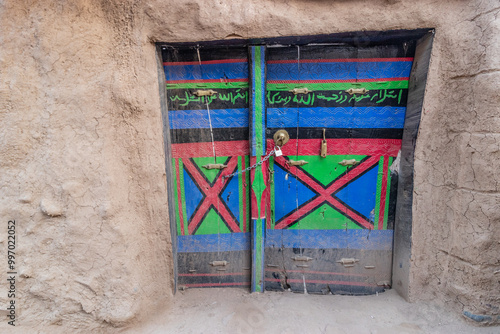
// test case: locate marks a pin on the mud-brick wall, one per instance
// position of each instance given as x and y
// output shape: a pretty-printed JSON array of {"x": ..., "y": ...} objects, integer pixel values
[{"x": 82, "y": 162}]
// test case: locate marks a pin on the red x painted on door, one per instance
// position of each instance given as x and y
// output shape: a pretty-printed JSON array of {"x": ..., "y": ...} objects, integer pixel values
[
  {"x": 212, "y": 195},
  {"x": 326, "y": 194}
]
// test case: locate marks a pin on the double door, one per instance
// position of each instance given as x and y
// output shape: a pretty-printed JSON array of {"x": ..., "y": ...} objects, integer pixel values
[{"x": 317, "y": 216}]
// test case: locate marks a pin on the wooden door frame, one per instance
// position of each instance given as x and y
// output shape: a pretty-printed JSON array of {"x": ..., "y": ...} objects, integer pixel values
[{"x": 418, "y": 78}]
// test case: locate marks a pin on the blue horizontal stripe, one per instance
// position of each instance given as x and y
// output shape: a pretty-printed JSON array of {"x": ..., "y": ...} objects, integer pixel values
[
  {"x": 196, "y": 119},
  {"x": 207, "y": 71},
  {"x": 213, "y": 242},
  {"x": 348, "y": 117},
  {"x": 339, "y": 71},
  {"x": 326, "y": 239}
]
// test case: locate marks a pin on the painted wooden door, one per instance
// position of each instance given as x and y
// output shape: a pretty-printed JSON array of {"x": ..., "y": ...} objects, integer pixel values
[
  {"x": 207, "y": 98},
  {"x": 330, "y": 219}
]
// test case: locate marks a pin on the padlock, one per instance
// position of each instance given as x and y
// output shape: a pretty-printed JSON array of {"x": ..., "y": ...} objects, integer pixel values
[{"x": 277, "y": 151}]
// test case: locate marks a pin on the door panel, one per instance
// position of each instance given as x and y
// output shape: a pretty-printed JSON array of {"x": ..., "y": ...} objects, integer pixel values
[
  {"x": 331, "y": 228},
  {"x": 212, "y": 212}
]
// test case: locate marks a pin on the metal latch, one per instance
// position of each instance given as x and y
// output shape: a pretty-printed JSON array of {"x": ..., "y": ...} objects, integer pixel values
[
  {"x": 297, "y": 163},
  {"x": 357, "y": 91},
  {"x": 296, "y": 91},
  {"x": 324, "y": 148},
  {"x": 302, "y": 258},
  {"x": 281, "y": 137},
  {"x": 214, "y": 166},
  {"x": 202, "y": 92},
  {"x": 350, "y": 162},
  {"x": 348, "y": 262},
  {"x": 219, "y": 263}
]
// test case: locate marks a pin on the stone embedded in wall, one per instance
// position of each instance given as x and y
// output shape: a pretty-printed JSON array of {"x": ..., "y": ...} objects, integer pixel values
[{"x": 51, "y": 207}]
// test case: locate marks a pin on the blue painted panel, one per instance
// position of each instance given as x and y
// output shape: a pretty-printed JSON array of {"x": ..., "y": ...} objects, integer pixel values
[
  {"x": 213, "y": 242},
  {"x": 207, "y": 71},
  {"x": 324, "y": 239},
  {"x": 288, "y": 194},
  {"x": 360, "y": 194},
  {"x": 348, "y": 117},
  {"x": 193, "y": 195},
  {"x": 339, "y": 70},
  {"x": 231, "y": 197},
  {"x": 198, "y": 119}
]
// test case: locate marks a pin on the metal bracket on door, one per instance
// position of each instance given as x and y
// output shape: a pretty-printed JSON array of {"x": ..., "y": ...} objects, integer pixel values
[
  {"x": 296, "y": 91},
  {"x": 214, "y": 166},
  {"x": 201, "y": 92},
  {"x": 302, "y": 258},
  {"x": 324, "y": 148},
  {"x": 348, "y": 262},
  {"x": 353, "y": 91},
  {"x": 219, "y": 263},
  {"x": 350, "y": 162},
  {"x": 297, "y": 163}
]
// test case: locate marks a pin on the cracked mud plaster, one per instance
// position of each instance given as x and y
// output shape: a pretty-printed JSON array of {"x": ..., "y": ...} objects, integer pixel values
[{"x": 82, "y": 162}]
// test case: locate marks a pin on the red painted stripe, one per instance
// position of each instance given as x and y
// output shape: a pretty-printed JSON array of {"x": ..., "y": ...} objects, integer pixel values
[
  {"x": 223, "y": 149},
  {"x": 357, "y": 146},
  {"x": 205, "y": 62},
  {"x": 204, "y": 81},
  {"x": 211, "y": 274},
  {"x": 179, "y": 200},
  {"x": 334, "y": 81},
  {"x": 385, "y": 171},
  {"x": 318, "y": 272},
  {"x": 216, "y": 284},
  {"x": 321, "y": 282},
  {"x": 244, "y": 193},
  {"x": 340, "y": 60}
]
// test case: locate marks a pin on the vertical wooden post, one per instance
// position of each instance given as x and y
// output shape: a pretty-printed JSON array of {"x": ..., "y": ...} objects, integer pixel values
[{"x": 257, "y": 144}]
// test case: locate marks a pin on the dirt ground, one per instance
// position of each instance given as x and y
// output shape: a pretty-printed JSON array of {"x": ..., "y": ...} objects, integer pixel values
[{"x": 236, "y": 311}]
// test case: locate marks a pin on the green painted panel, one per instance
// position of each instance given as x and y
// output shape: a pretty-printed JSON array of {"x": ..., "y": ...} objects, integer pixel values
[
  {"x": 212, "y": 224},
  {"x": 325, "y": 218}
]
